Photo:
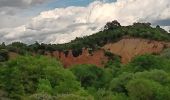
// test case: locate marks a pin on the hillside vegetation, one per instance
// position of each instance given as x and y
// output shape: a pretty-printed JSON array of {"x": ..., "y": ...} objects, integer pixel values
[
  {"x": 32, "y": 76},
  {"x": 146, "y": 77},
  {"x": 112, "y": 32}
]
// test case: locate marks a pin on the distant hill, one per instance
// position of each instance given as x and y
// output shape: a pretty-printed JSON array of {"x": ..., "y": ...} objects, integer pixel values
[{"x": 114, "y": 41}]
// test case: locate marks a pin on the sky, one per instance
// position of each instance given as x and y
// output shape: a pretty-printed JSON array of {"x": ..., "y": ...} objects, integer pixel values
[{"x": 60, "y": 21}]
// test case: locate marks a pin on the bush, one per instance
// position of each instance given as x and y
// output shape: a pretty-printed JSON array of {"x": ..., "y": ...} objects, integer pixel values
[
  {"x": 91, "y": 76},
  {"x": 147, "y": 85},
  {"x": 28, "y": 75},
  {"x": 141, "y": 89},
  {"x": 146, "y": 62},
  {"x": 3, "y": 55}
]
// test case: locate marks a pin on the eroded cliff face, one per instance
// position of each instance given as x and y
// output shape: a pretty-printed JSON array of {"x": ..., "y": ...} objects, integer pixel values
[
  {"x": 128, "y": 48},
  {"x": 97, "y": 58}
]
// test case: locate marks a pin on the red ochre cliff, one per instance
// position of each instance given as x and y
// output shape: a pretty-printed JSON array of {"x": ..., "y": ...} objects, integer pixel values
[
  {"x": 97, "y": 58},
  {"x": 126, "y": 48}
]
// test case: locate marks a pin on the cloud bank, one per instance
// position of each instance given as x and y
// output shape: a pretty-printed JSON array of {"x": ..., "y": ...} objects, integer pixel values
[
  {"x": 62, "y": 25},
  {"x": 11, "y": 11},
  {"x": 20, "y": 3}
]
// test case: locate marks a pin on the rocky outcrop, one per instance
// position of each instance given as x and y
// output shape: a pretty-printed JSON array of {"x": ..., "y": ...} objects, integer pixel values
[
  {"x": 128, "y": 48},
  {"x": 97, "y": 58}
]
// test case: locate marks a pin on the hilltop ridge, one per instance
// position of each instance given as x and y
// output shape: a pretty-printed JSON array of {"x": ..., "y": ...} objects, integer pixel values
[{"x": 125, "y": 42}]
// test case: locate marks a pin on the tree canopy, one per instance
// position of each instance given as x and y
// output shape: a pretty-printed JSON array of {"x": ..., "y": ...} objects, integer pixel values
[{"x": 38, "y": 77}]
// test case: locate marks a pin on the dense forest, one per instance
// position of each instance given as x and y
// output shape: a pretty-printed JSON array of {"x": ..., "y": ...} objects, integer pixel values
[{"x": 38, "y": 77}]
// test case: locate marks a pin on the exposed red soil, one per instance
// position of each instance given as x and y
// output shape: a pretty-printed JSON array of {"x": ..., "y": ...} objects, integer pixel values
[
  {"x": 97, "y": 58},
  {"x": 128, "y": 48}
]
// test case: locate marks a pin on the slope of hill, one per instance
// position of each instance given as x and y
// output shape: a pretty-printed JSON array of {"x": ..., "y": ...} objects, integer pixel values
[
  {"x": 128, "y": 48},
  {"x": 26, "y": 73},
  {"x": 123, "y": 41}
]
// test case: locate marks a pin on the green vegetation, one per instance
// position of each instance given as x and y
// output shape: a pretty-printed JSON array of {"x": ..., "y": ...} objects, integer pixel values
[
  {"x": 3, "y": 55},
  {"x": 112, "y": 32},
  {"x": 91, "y": 76},
  {"x": 146, "y": 77},
  {"x": 29, "y": 75}
]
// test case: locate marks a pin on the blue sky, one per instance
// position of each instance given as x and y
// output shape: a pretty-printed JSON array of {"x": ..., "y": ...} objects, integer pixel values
[{"x": 59, "y": 4}]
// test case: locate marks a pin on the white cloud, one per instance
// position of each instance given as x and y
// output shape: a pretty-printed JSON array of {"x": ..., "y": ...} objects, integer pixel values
[
  {"x": 12, "y": 12},
  {"x": 64, "y": 24},
  {"x": 167, "y": 28}
]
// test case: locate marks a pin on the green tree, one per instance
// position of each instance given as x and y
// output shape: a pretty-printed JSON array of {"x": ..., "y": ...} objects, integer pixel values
[
  {"x": 146, "y": 62},
  {"x": 141, "y": 89},
  {"x": 112, "y": 25},
  {"x": 27, "y": 75},
  {"x": 91, "y": 76},
  {"x": 144, "y": 89}
]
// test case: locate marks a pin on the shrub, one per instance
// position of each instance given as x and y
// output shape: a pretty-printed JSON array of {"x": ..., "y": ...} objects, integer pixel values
[
  {"x": 3, "y": 55},
  {"x": 28, "y": 75}
]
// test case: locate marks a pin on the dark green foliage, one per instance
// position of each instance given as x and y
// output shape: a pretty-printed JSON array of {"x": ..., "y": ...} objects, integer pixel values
[
  {"x": 91, "y": 76},
  {"x": 146, "y": 62},
  {"x": 3, "y": 46},
  {"x": 66, "y": 53},
  {"x": 17, "y": 47},
  {"x": 3, "y": 55},
  {"x": 118, "y": 84},
  {"x": 112, "y": 25},
  {"x": 76, "y": 52},
  {"x": 88, "y": 75},
  {"x": 112, "y": 56}
]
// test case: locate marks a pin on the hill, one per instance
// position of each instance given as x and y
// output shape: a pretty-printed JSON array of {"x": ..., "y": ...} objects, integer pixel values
[
  {"x": 125, "y": 42},
  {"x": 118, "y": 63}
]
